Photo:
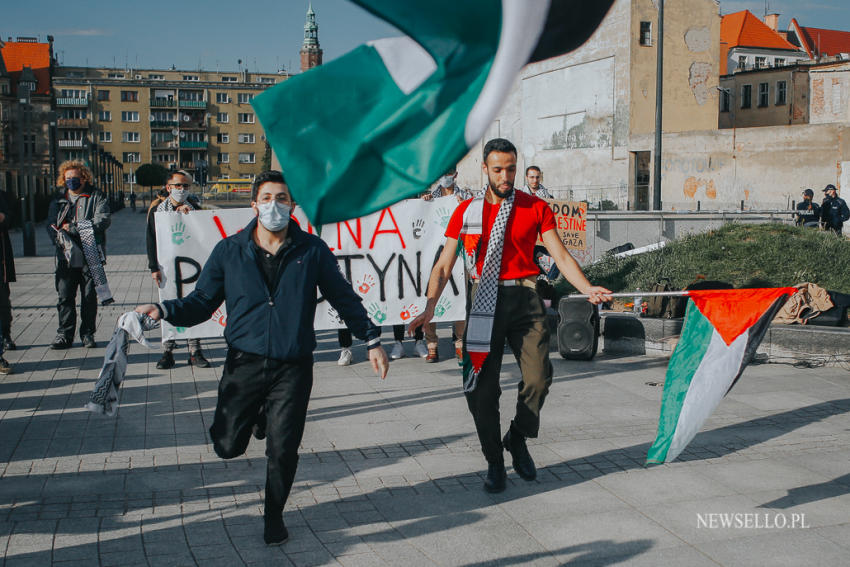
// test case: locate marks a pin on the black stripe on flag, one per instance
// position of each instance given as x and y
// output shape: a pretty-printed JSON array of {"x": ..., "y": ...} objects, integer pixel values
[{"x": 568, "y": 25}]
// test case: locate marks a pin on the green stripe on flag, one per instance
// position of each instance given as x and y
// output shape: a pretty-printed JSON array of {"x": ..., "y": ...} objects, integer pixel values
[{"x": 692, "y": 346}]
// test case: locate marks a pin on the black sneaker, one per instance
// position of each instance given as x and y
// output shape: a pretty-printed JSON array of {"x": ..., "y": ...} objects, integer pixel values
[
  {"x": 5, "y": 367},
  {"x": 496, "y": 477},
  {"x": 522, "y": 461},
  {"x": 61, "y": 342},
  {"x": 167, "y": 361},
  {"x": 275, "y": 533},
  {"x": 197, "y": 359},
  {"x": 88, "y": 341},
  {"x": 9, "y": 344}
]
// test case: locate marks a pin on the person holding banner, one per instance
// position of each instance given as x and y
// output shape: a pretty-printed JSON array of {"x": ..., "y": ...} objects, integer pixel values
[
  {"x": 496, "y": 234},
  {"x": 77, "y": 219},
  {"x": 177, "y": 199},
  {"x": 268, "y": 275}
]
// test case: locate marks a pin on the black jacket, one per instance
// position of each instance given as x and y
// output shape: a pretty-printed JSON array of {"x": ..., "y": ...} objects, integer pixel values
[
  {"x": 91, "y": 205},
  {"x": 834, "y": 212},
  {"x": 150, "y": 234},
  {"x": 278, "y": 325},
  {"x": 807, "y": 211},
  {"x": 6, "y": 254}
]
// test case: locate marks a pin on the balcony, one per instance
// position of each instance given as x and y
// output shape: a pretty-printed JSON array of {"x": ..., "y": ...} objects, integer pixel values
[
  {"x": 163, "y": 145},
  {"x": 166, "y": 102},
  {"x": 72, "y": 102},
  {"x": 163, "y": 123},
  {"x": 193, "y": 104},
  {"x": 72, "y": 123},
  {"x": 185, "y": 144},
  {"x": 70, "y": 143},
  {"x": 193, "y": 125}
]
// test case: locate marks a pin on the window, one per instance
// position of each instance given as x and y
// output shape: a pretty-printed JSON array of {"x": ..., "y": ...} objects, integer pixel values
[
  {"x": 725, "y": 100},
  {"x": 247, "y": 158},
  {"x": 115, "y": 76},
  {"x": 102, "y": 95},
  {"x": 645, "y": 33},
  {"x": 246, "y": 138},
  {"x": 781, "y": 92},
  {"x": 742, "y": 62},
  {"x": 245, "y": 98},
  {"x": 75, "y": 113},
  {"x": 191, "y": 78},
  {"x": 129, "y": 177},
  {"x": 129, "y": 96},
  {"x": 229, "y": 79},
  {"x": 73, "y": 93},
  {"x": 130, "y": 137},
  {"x": 105, "y": 137},
  {"x": 223, "y": 118},
  {"x": 764, "y": 91},
  {"x": 223, "y": 158},
  {"x": 760, "y": 62},
  {"x": 223, "y": 138},
  {"x": 246, "y": 117},
  {"x": 746, "y": 96},
  {"x": 129, "y": 116},
  {"x": 779, "y": 62},
  {"x": 191, "y": 95},
  {"x": 267, "y": 80},
  {"x": 222, "y": 98},
  {"x": 156, "y": 77},
  {"x": 104, "y": 116},
  {"x": 164, "y": 158},
  {"x": 132, "y": 157}
]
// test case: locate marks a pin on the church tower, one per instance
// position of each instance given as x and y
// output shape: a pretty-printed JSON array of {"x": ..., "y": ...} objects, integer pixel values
[{"x": 311, "y": 53}]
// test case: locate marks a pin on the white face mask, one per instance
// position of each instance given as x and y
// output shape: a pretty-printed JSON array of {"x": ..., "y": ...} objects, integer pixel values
[
  {"x": 273, "y": 215},
  {"x": 179, "y": 195},
  {"x": 447, "y": 181}
]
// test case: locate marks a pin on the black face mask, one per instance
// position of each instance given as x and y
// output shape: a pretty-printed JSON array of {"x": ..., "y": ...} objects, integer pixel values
[{"x": 73, "y": 183}]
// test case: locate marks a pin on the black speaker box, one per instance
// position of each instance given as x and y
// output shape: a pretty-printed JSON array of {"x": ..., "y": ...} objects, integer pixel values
[{"x": 578, "y": 330}]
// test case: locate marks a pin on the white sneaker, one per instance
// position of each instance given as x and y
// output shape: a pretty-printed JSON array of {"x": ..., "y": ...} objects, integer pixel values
[
  {"x": 398, "y": 351},
  {"x": 344, "y": 357},
  {"x": 420, "y": 349}
]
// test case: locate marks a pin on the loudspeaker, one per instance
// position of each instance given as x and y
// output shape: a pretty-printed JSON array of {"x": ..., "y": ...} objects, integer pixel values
[{"x": 578, "y": 330}]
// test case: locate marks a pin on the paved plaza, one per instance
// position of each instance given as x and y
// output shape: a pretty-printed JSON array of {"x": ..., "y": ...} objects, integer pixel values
[{"x": 391, "y": 472}]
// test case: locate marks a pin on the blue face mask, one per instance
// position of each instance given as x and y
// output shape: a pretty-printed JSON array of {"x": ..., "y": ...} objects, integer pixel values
[
  {"x": 273, "y": 215},
  {"x": 73, "y": 183}
]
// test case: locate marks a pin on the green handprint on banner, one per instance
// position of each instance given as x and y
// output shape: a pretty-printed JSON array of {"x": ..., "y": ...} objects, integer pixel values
[
  {"x": 442, "y": 306},
  {"x": 177, "y": 233},
  {"x": 180, "y": 329},
  {"x": 377, "y": 313},
  {"x": 442, "y": 217}
]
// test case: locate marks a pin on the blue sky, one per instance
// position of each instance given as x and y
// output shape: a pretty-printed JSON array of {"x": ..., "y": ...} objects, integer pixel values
[{"x": 265, "y": 34}]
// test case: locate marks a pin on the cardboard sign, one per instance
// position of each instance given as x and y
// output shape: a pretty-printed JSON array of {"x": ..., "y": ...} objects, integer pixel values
[{"x": 571, "y": 222}]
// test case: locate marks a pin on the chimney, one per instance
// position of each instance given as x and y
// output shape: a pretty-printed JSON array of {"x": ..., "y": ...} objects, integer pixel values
[{"x": 772, "y": 21}]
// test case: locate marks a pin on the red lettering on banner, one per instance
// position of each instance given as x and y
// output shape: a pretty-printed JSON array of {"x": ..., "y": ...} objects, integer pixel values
[
  {"x": 219, "y": 226},
  {"x": 357, "y": 238},
  {"x": 569, "y": 223},
  {"x": 395, "y": 230}
]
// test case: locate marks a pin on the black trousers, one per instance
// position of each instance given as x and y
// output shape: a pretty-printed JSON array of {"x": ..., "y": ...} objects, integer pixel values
[
  {"x": 250, "y": 382},
  {"x": 67, "y": 281},
  {"x": 5, "y": 310}
]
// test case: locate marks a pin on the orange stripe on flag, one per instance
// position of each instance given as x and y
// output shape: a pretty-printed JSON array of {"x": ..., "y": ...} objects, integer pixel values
[{"x": 733, "y": 311}]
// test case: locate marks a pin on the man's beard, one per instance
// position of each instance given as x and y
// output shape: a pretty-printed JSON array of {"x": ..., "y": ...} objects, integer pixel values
[{"x": 500, "y": 194}]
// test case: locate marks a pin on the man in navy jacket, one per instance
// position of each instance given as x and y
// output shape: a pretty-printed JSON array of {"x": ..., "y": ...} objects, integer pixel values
[{"x": 268, "y": 274}]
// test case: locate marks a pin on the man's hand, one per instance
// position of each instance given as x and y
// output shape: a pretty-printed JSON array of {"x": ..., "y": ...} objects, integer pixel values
[
  {"x": 183, "y": 209},
  {"x": 427, "y": 196},
  {"x": 422, "y": 319},
  {"x": 65, "y": 226},
  {"x": 598, "y": 294},
  {"x": 151, "y": 311},
  {"x": 378, "y": 358},
  {"x": 157, "y": 277}
]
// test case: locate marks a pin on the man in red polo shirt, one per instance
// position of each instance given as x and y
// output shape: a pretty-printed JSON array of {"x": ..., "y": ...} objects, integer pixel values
[{"x": 496, "y": 234}]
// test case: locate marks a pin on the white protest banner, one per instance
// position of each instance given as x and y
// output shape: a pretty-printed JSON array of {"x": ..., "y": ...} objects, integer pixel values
[
  {"x": 183, "y": 244},
  {"x": 388, "y": 256}
]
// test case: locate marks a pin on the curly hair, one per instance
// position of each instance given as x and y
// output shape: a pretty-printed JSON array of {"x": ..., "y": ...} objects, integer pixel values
[{"x": 85, "y": 172}]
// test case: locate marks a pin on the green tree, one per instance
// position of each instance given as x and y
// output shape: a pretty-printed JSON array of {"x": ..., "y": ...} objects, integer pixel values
[
  {"x": 151, "y": 174},
  {"x": 267, "y": 158}
]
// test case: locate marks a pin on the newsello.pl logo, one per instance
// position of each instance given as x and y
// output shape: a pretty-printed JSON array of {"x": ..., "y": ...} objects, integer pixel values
[{"x": 751, "y": 520}]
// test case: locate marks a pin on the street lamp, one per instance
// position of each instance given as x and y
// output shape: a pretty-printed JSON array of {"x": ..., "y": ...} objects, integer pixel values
[
  {"x": 25, "y": 151},
  {"x": 659, "y": 88}
]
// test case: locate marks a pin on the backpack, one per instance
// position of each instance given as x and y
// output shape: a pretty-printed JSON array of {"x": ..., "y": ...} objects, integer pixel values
[{"x": 665, "y": 307}]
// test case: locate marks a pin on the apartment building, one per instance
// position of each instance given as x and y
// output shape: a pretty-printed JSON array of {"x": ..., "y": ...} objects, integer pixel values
[{"x": 179, "y": 119}]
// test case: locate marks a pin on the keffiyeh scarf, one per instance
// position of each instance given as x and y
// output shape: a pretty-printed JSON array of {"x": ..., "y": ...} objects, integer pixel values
[{"x": 94, "y": 261}]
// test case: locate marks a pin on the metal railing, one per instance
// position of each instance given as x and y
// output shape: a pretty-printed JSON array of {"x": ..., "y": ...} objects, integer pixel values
[
  {"x": 68, "y": 101},
  {"x": 72, "y": 123},
  {"x": 193, "y": 104},
  {"x": 70, "y": 143},
  {"x": 191, "y": 144}
]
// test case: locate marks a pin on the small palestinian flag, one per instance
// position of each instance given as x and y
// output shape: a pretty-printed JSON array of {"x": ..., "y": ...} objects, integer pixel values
[
  {"x": 721, "y": 333},
  {"x": 381, "y": 123}
]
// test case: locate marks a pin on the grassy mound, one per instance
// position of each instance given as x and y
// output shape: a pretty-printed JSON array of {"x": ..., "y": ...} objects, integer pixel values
[{"x": 744, "y": 255}]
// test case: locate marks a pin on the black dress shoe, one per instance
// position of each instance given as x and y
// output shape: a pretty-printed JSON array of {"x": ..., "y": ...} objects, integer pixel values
[
  {"x": 522, "y": 461},
  {"x": 496, "y": 477},
  {"x": 9, "y": 344},
  {"x": 60, "y": 343},
  {"x": 88, "y": 341},
  {"x": 197, "y": 359},
  {"x": 275, "y": 533},
  {"x": 167, "y": 361}
]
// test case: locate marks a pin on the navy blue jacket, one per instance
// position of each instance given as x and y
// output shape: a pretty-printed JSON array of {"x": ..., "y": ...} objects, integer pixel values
[{"x": 278, "y": 326}]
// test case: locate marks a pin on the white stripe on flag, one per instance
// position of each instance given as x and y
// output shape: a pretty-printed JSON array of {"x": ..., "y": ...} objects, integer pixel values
[
  {"x": 406, "y": 61},
  {"x": 715, "y": 373},
  {"x": 522, "y": 24}
]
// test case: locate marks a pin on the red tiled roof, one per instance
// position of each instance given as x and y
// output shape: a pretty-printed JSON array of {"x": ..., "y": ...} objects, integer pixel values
[
  {"x": 826, "y": 42},
  {"x": 17, "y": 55},
  {"x": 743, "y": 29}
]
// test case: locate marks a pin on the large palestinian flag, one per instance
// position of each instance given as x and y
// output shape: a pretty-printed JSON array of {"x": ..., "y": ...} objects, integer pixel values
[
  {"x": 384, "y": 121},
  {"x": 720, "y": 335}
]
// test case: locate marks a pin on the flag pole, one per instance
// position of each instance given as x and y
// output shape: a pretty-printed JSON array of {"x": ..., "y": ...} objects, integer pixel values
[{"x": 636, "y": 294}]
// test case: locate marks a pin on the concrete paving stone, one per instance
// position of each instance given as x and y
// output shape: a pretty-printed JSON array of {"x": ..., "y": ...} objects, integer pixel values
[
  {"x": 309, "y": 558},
  {"x": 785, "y": 548}
]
